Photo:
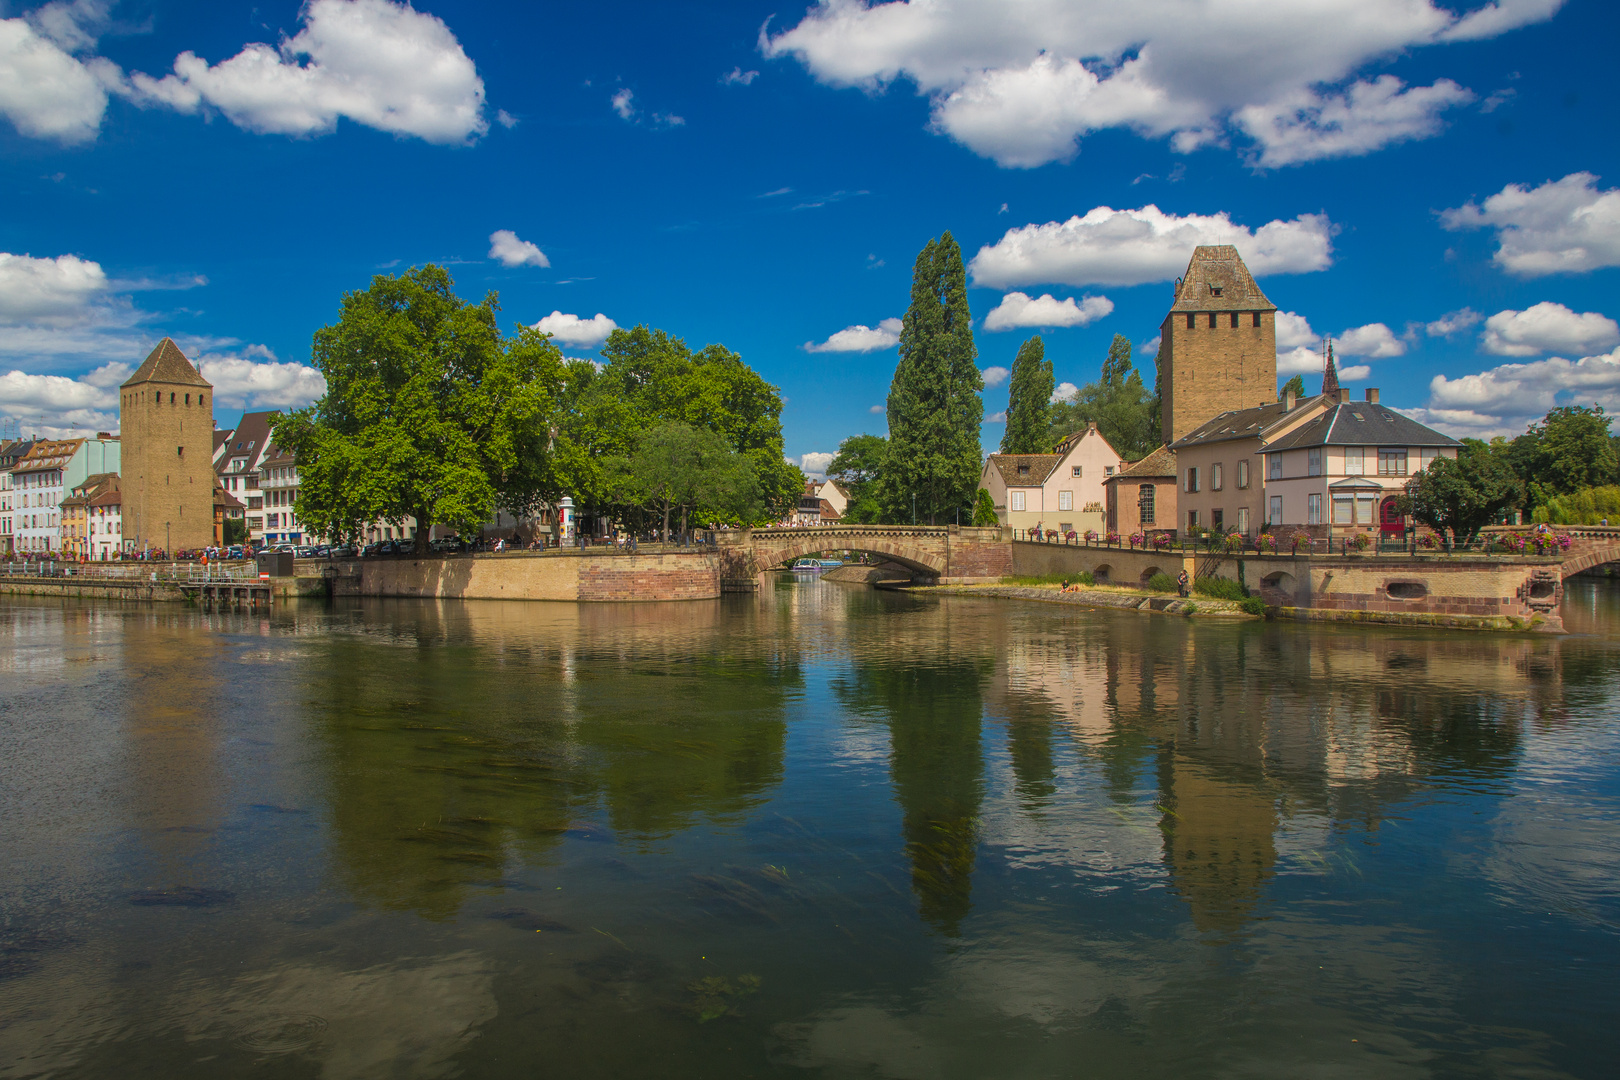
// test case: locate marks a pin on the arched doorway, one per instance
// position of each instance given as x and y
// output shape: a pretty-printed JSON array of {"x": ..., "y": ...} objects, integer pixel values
[{"x": 1390, "y": 519}]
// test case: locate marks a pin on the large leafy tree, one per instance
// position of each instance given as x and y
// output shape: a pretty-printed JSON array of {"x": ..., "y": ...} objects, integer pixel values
[
  {"x": 1029, "y": 402},
  {"x": 934, "y": 405},
  {"x": 856, "y": 466},
  {"x": 695, "y": 471},
  {"x": 1118, "y": 403},
  {"x": 1569, "y": 450},
  {"x": 429, "y": 412},
  {"x": 1464, "y": 495}
]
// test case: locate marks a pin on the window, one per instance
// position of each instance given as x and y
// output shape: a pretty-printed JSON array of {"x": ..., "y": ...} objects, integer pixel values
[
  {"x": 1429, "y": 454},
  {"x": 1023, "y": 470},
  {"x": 1075, "y": 470},
  {"x": 1144, "y": 503},
  {"x": 1273, "y": 466},
  {"x": 1364, "y": 509},
  {"x": 1243, "y": 473},
  {"x": 1344, "y": 509},
  {"x": 1015, "y": 501},
  {"x": 1276, "y": 510},
  {"x": 1215, "y": 477},
  {"x": 1108, "y": 470},
  {"x": 1212, "y": 320},
  {"x": 1192, "y": 479},
  {"x": 1354, "y": 460},
  {"x": 1234, "y": 320},
  {"x": 180, "y": 451},
  {"x": 1313, "y": 509},
  {"x": 1065, "y": 500},
  {"x": 1257, "y": 318},
  {"x": 1192, "y": 520},
  {"x": 1217, "y": 518},
  {"x": 1392, "y": 462},
  {"x": 1215, "y": 290},
  {"x": 1313, "y": 461},
  {"x": 1243, "y": 520},
  {"x": 1190, "y": 323}
]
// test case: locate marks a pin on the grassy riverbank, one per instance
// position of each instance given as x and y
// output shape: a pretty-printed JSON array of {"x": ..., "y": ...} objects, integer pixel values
[{"x": 1098, "y": 596}]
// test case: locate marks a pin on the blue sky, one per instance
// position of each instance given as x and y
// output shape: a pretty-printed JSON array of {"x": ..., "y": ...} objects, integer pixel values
[{"x": 1434, "y": 185}]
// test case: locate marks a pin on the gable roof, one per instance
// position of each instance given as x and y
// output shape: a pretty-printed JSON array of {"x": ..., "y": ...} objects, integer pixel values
[
  {"x": 1037, "y": 467},
  {"x": 1360, "y": 423},
  {"x": 1160, "y": 464},
  {"x": 250, "y": 440},
  {"x": 1218, "y": 280},
  {"x": 1068, "y": 444},
  {"x": 1251, "y": 423},
  {"x": 48, "y": 454},
  {"x": 167, "y": 364}
]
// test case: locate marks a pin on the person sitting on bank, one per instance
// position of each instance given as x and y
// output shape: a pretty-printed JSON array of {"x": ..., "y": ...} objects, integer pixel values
[{"x": 1181, "y": 583}]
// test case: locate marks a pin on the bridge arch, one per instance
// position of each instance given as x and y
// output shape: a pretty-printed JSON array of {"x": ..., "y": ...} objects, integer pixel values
[
  {"x": 773, "y": 550},
  {"x": 1597, "y": 555}
]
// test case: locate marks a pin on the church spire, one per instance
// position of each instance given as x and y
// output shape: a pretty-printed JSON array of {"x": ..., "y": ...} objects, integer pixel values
[{"x": 1330, "y": 376}]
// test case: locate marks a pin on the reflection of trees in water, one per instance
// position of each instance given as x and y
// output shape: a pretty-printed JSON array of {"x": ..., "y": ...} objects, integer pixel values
[{"x": 458, "y": 736}]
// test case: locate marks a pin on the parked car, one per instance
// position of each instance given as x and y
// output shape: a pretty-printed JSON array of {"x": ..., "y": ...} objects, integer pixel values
[
  {"x": 342, "y": 551},
  {"x": 308, "y": 553},
  {"x": 448, "y": 545},
  {"x": 235, "y": 552}
]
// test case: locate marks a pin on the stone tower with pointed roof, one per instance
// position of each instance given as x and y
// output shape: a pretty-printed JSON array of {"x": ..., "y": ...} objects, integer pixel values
[
  {"x": 166, "y": 417},
  {"x": 1330, "y": 374},
  {"x": 1218, "y": 344}
]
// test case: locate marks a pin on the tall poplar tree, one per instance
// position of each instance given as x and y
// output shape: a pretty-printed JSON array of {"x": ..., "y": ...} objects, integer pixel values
[
  {"x": 1029, "y": 401},
  {"x": 934, "y": 404}
]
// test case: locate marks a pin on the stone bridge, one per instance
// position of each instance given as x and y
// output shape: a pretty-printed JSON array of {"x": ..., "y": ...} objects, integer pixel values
[
  {"x": 949, "y": 554},
  {"x": 1590, "y": 545}
]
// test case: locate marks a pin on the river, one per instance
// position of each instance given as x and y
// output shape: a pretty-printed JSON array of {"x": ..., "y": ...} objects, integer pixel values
[{"x": 822, "y": 832}]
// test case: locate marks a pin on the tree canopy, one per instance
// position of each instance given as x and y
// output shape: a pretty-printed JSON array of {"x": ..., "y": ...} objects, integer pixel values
[
  {"x": 1029, "y": 402},
  {"x": 934, "y": 405},
  {"x": 1569, "y": 450},
  {"x": 1118, "y": 403},
  {"x": 856, "y": 467},
  {"x": 1464, "y": 495},
  {"x": 1296, "y": 384},
  {"x": 429, "y": 412},
  {"x": 680, "y": 467}
]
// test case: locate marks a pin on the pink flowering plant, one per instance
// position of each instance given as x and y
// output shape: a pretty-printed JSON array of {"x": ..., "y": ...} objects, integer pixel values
[
  {"x": 1265, "y": 542},
  {"x": 1161, "y": 541},
  {"x": 1361, "y": 541},
  {"x": 1138, "y": 540},
  {"x": 1091, "y": 536},
  {"x": 1113, "y": 538}
]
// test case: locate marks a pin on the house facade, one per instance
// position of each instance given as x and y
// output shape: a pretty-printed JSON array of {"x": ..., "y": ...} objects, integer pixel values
[
  {"x": 1222, "y": 483},
  {"x": 92, "y": 519},
  {"x": 1344, "y": 469},
  {"x": 278, "y": 483},
  {"x": 11, "y": 451},
  {"x": 1062, "y": 491},
  {"x": 44, "y": 477},
  {"x": 1141, "y": 497},
  {"x": 237, "y": 457}
]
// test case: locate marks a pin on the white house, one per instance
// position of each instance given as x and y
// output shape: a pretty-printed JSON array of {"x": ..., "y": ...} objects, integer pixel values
[{"x": 42, "y": 479}]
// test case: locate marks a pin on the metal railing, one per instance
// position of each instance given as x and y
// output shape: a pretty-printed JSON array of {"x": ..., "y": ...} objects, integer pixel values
[{"x": 1407, "y": 544}]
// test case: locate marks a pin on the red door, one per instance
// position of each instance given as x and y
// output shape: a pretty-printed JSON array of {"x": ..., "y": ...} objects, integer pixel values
[{"x": 1391, "y": 519}]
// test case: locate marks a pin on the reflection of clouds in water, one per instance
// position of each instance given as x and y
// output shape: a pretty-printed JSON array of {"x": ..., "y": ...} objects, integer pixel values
[
  {"x": 857, "y": 744},
  {"x": 406, "y": 1019},
  {"x": 1088, "y": 833}
]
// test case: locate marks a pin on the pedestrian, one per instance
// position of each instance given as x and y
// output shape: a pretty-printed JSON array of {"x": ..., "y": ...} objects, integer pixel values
[{"x": 1181, "y": 583}]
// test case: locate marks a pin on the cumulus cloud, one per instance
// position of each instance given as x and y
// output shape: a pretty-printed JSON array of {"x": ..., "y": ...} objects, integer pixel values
[
  {"x": 1453, "y": 322},
  {"x": 1293, "y": 331},
  {"x": 1131, "y": 247},
  {"x": 575, "y": 331},
  {"x": 1150, "y": 347},
  {"x": 738, "y": 77},
  {"x": 1066, "y": 391},
  {"x": 623, "y": 104},
  {"x": 816, "y": 462},
  {"x": 378, "y": 63},
  {"x": 995, "y": 418},
  {"x": 1300, "y": 360},
  {"x": 877, "y": 410},
  {"x": 505, "y": 246},
  {"x": 1353, "y": 372},
  {"x": 1505, "y": 399},
  {"x": 48, "y": 290},
  {"x": 1374, "y": 341},
  {"x": 1548, "y": 327},
  {"x": 45, "y": 91},
  {"x": 1022, "y": 84},
  {"x": 995, "y": 376},
  {"x": 1019, "y": 310},
  {"x": 1564, "y": 226},
  {"x": 860, "y": 338}
]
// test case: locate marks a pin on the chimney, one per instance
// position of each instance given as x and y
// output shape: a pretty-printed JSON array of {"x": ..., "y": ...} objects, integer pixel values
[
  {"x": 1288, "y": 400},
  {"x": 1344, "y": 393},
  {"x": 1372, "y": 395}
]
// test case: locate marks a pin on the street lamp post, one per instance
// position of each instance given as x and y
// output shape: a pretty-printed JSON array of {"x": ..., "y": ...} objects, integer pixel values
[{"x": 914, "y": 508}]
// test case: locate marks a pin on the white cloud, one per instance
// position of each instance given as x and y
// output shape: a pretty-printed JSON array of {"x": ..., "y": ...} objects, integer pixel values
[
  {"x": 575, "y": 331},
  {"x": 623, "y": 104},
  {"x": 1453, "y": 322},
  {"x": 1562, "y": 227},
  {"x": 1066, "y": 391},
  {"x": 996, "y": 418},
  {"x": 738, "y": 77},
  {"x": 877, "y": 410},
  {"x": 1019, "y": 310},
  {"x": 1131, "y": 247},
  {"x": 506, "y": 119},
  {"x": 50, "y": 291},
  {"x": 241, "y": 382},
  {"x": 505, "y": 246},
  {"x": 816, "y": 462},
  {"x": 1021, "y": 83},
  {"x": 995, "y": 376},
  {"x": 860, "y": 338},
  {"x": 1151, "y": 346},
  {"x": 1354, "y": 373},
  {"x": 45, "y": 92},
  {"x": 1308, "y": 126},
  {"x": 1548, "y": 327},
  {"x": 1505, "y": 399},
  {"x": 381, "y": 64},
  {"x": 1293, "y": 331},
  {"x": 1301, "y": 360},
  {"x": 1374, "y": 341}
]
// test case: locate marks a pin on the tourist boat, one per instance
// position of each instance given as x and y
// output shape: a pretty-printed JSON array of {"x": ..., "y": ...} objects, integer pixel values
[
  {"x": 828, "y": 564},
  {"x": 807, "y": 564}
]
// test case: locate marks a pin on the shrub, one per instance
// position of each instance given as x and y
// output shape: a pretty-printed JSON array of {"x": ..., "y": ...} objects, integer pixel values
[
  {"x": 1252, "y": 605},
  {"x": 1361, "y": 541},
  {"x": 1190, "y": 609},
  {"x": 1162, "y": 582},
  {"x": 1161, "y": 541},
  {"x": 1219, "y": 588}
]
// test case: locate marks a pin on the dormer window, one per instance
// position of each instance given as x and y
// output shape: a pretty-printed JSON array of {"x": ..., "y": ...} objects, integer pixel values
[
  {"x": 1215, "y": 290},
  {"x": 1023, "y": 470}
]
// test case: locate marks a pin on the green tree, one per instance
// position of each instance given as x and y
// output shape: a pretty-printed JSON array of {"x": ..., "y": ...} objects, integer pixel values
[
  {"x": 984, "y": 510},
  {"x": 236, "y": 530},
  {"x": 1029, "y": 402},
  {"x": 934, "y": 404},
  {"x": 856, "y": 467},
  {"x": 1463, "y": 495},
  {"x": 680, "y": 467},
  {"x": 1118, "y": 403},
  {"x": 429, "y": 412},
  {"x": 1296, "y": 384},
  {"x": 1569, "y": 450}
]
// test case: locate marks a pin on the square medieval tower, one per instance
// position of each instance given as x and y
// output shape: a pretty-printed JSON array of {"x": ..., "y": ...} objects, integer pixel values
[
  {"x": 166, "y": 419},
  {"x": 1218, "y": 345}
]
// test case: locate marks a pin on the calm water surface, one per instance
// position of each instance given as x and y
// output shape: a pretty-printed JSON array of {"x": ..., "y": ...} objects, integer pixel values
[{"x": 825, "y": 832}]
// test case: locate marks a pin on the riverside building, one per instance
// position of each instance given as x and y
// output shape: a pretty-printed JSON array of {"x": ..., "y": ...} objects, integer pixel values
[{"x": 167, "y": 414}]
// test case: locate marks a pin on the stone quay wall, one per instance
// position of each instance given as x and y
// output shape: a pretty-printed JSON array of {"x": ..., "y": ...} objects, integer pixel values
[
  {"x": 556, "y": 575},
  {"x": 88, "y": 588}
]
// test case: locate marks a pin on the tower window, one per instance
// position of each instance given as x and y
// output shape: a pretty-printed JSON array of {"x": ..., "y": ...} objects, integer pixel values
[
  {"x": 171, "y": 397},
  {"x": 188, "y": 399},
  {"x": 1234, "y": 320},
  {"x": 1212, "y": 320},
  {"x": 179, "y": 451},
  {"x": 1257, "y": 318},
  {"x": 1215, "y": 290},
  {"x": 1190, "y": 318}
]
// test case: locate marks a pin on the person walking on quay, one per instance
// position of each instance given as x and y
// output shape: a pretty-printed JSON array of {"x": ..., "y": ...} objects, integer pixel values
[{"x": 1181, "y": 583}]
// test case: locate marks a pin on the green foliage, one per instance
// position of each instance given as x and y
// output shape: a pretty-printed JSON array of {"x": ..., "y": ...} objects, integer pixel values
[
  {"x": 1219, "y": 588},
  {"x": 1296, "y": 384},
  {"x": 429, "y": 412},
  {"x": 236, "y": 530},
  {"x": 1029, "y": 402},
  {"x": 1118, "y": 403},
  {"x": 678, "y": 466},
  {"x": 1162, "y": 582},
  {"x": 1463, "y": 495},
  {"x": 984, "y": 510},
  {"x": 856, "y": 466},
  {"x": 1589, "y": 506},
  {"x": 934, "y": 405},
  {"x": 1252, "y": 605},
  {"x": 1569, "y": 450}
]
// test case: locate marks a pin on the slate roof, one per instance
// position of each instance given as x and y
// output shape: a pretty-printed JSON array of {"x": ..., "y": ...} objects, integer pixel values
[
  {"x": 1038, "y": 466},
  {"x": 225, "y": 500},
  {"x": 249, "y": 440},
  {"x": 1217, "y": 280},
  {"x": 1161, "y": 464},
  {"x": 1360, "y": 423},
  {"x": 167, "y": 364},
  {"x": 1241, "y": 424}
]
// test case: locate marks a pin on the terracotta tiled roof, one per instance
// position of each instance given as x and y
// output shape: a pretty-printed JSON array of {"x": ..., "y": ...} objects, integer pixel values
[
  {"x": 1025, "y": 470},
  {"x": 167, "y": 364},
  {"x": 1159, "y": 464},
  {"x": 828, "y": 511}
]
